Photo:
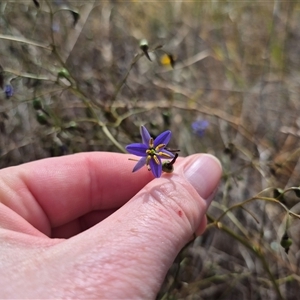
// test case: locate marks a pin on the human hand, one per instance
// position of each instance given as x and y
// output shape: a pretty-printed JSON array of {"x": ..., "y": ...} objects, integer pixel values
[{"x": 84, "y": 226}]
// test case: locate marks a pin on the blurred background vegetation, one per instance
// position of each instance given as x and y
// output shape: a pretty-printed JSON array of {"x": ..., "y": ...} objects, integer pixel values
[{"x": 223, "y": 76}]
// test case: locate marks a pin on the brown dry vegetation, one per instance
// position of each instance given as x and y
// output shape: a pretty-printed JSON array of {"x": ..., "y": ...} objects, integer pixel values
[{"x": 237, "y": 66}]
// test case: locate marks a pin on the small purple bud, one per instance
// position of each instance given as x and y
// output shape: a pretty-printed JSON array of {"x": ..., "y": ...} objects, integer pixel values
[
  {"x": 8, "y": 90},
  {"x": 199, "y": 127}
]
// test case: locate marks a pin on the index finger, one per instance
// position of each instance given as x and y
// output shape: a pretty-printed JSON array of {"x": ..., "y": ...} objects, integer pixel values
[{"x": 55, "y": 191}]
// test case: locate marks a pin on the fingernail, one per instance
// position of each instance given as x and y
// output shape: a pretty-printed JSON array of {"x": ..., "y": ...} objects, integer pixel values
[
  {"x": 210, "y": 198},
  {"x": 203, "y": 171}
]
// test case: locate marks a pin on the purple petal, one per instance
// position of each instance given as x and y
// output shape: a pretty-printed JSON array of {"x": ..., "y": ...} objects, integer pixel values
[
  {"x": 163, "y": 138},
  {"x": 199, "y": 127},
  {"x": 8, "y": 91},
  {"x": 145, "y": 135},
  {"x": 155, "y": 168},
  {"x": 139, "y": 164},
  {"x": 137, "y": 149}
]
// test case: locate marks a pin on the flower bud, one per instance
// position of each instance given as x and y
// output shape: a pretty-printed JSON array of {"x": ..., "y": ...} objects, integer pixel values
[
  {"x": 41, "y": 118},
  {"x": 37, "y": 104}
]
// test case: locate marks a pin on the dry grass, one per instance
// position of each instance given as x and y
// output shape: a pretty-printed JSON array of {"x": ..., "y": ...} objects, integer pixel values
[{"x": 237, "y": 66}]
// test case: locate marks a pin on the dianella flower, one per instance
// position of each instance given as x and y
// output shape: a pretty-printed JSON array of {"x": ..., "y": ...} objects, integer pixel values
[
  {"x": 152, "y": 151},
  {"x": 199, "y": 127},
  {"x": 9, "y": 91}
]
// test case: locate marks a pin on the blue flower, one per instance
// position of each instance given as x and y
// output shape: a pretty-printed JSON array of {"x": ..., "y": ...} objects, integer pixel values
[
  {"x": 8, "y": 90},
  {"x": 199, "y": 127},
  {"x": 151, "y": 151}
]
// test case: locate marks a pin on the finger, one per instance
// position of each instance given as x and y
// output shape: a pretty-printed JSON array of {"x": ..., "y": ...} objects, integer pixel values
[
  {"x": 52, "y": 192},
  {"x": 147, "y": 233},
  {"x": 202, "y": 226},
  {"x": 80, "y": 224}
]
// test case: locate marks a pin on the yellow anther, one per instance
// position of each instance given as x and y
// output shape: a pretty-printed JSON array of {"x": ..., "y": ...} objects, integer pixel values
[
  {"x": 148, "y": 159},
  {"x": 165, "y": 155},
  {"x": 156, "y": 160},
  {"x": 160, "y": 146},
  {"x": 151, "y": 143}
]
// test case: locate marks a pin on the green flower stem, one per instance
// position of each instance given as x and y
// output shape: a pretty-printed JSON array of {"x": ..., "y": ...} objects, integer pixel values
[
  {"x": 254, "y": 249},
  {"x": 25, "y": 41},
  {"x": 113, "y": 140},
  {"x": 134, "y": 61},
  {"x": 29, "y": 75},
  {"x": 267, "y": 199}
]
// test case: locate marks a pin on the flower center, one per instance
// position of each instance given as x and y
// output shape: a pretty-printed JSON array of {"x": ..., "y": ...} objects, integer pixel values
[{"x": 155, "y": 153}]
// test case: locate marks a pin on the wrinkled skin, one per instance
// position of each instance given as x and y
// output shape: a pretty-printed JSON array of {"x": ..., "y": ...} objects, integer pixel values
[{"x": 84, "y": 226}]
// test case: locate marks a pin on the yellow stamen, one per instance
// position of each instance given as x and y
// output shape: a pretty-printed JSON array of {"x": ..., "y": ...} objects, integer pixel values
[
  {"x": 165, "y": 155},
  {"x": 160, "y": 146},
  {"x": 148, "y": 159},
  {"x": 151, "y": 144},
  {"x": 147, "y": 162},
  {"x": 156, "y": 160}
]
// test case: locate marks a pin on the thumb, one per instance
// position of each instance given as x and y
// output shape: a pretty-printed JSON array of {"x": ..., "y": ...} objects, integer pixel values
[{"x": 138, "y": 243}]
